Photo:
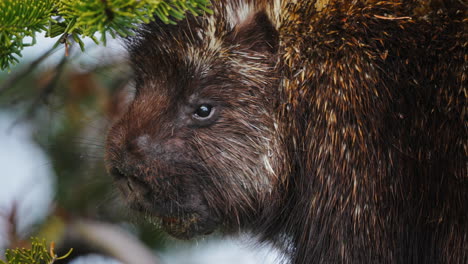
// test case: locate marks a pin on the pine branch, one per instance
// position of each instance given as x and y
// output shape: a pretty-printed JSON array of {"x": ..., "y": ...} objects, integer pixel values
[{"x": 20, "y": 19}]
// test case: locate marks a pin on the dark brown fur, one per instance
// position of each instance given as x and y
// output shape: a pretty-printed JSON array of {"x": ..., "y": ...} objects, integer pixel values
[{"x": 338, "y": 132}]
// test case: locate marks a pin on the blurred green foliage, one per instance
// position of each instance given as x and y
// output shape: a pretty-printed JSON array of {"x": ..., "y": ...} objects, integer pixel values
[{"x": 70, "y": 105}]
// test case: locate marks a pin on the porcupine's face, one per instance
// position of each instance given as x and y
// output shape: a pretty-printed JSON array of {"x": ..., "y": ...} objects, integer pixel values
[{"x": 195, "y": 146}]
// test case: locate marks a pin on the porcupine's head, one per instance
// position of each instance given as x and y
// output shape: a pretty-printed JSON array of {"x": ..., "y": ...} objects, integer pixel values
[{"x": 195, "y": 148}]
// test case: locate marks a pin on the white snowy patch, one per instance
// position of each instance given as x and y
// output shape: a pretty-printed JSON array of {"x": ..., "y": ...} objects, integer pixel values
[{"x": 226, "y": 251}]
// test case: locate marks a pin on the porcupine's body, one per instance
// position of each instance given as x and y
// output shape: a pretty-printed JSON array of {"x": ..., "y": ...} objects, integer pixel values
[{"x": 337, "y": 130}]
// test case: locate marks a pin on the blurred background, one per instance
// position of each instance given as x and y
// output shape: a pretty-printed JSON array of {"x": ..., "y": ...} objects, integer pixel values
[{"x": 54, "y": 113}]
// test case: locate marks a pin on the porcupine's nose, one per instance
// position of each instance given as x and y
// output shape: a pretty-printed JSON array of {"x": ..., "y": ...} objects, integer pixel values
[
  {"x": 129, "y": 170},
  {"x": 130, "y": 155},
  {"x": 142, "y": 147}
]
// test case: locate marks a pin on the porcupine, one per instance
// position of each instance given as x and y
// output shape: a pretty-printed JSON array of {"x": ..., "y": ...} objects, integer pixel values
[{"x": 334, "y": 129}]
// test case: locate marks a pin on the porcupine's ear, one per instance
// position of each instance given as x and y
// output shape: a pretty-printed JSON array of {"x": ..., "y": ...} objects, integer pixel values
[{"x": 256, "y": 33}]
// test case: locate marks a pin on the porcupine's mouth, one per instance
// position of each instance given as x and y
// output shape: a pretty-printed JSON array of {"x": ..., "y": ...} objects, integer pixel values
[{"x": 182, "y": 219}]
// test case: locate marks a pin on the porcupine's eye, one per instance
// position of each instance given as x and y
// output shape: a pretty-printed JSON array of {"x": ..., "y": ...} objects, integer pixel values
[{"x": 203, "y": 112}]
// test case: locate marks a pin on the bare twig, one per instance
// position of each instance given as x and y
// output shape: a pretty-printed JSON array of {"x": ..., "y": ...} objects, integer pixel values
[
  {"x": 10, "y": 82},
  {"x": 44, "y": 93},
  {"x": 114, "y": 241}
]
